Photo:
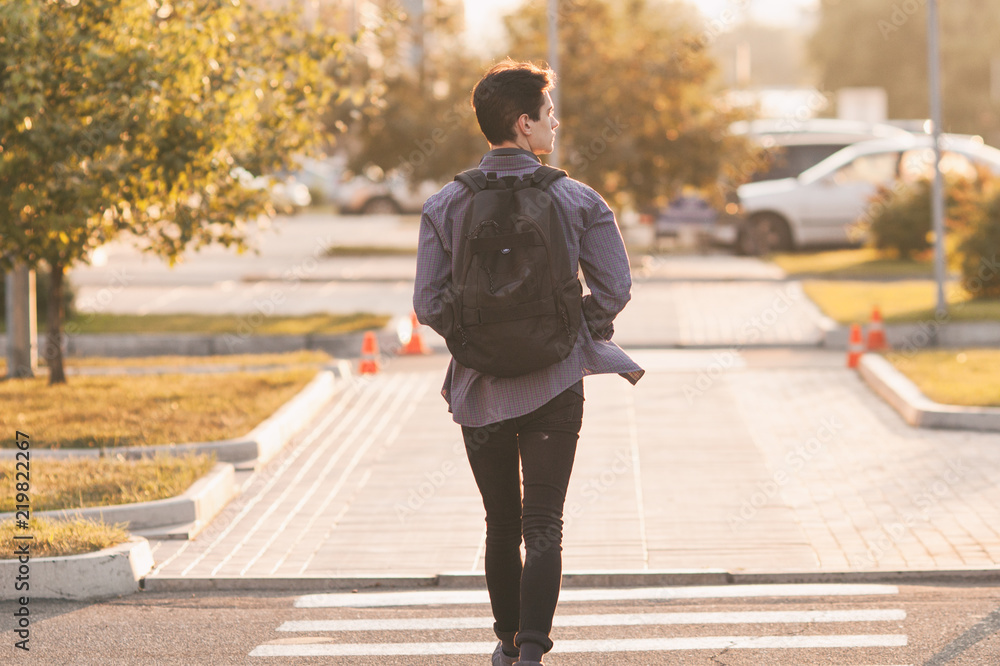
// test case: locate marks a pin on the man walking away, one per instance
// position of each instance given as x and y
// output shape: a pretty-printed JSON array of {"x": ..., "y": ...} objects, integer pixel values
[{"x": 511, "y": 416}]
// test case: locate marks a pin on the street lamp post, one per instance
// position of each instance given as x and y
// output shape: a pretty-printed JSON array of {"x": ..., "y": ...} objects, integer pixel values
[
  {"x": 554, "y": 65},
  {"x": 937, "y": 201}
]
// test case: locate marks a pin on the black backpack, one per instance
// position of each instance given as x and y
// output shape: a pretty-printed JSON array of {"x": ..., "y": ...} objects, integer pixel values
[{"x": 516, "y": 300}]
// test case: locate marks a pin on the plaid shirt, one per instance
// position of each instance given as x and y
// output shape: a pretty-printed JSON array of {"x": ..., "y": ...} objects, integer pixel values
[{"x": 595, "y": 244}]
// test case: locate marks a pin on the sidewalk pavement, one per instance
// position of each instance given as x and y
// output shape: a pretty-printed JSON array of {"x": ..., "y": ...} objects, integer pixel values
[{"x": 753, "y": 461}]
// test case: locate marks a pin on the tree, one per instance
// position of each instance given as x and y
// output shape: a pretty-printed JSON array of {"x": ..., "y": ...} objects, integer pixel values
[
  {"x": 140, "y": 117},
  {"x": 422, "y": 124},
  {"x": 884, "y": 43},
  {"x": 638, "y": 117}
]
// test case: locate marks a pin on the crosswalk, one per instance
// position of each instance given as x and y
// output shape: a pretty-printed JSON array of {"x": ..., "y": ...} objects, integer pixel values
[{"x": 827, "y": 625}]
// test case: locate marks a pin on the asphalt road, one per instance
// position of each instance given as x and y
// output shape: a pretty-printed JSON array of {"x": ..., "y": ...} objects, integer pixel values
[
  {"x": 845, "y": 625},
  {"x": 285, "y": 249},
  {"x": 713, "y": 300}
]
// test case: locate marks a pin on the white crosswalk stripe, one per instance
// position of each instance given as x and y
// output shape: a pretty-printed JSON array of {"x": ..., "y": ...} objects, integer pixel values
[
  {"x": 341, "y": 634},
  {"x": 596, "y": 646},
  {"x": 609, "y": 620},
  {"x": 421, "y": 598}
]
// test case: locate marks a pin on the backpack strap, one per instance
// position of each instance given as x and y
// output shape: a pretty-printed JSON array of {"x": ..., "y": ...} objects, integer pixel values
[
  {"x": 474, "y": 179},
  {"x": 545, "y": 176}
]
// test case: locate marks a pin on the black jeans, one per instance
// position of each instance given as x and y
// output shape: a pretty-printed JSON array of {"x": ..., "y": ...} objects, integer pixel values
[{"x": 544, "y": 441}]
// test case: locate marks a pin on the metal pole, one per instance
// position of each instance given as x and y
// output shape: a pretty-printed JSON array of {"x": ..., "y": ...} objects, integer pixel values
[
  {"x": 554, "y": 65},
  {"x": 937, "y": 204}
]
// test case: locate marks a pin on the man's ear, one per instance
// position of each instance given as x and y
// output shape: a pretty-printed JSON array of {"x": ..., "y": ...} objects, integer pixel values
[{"x": 523, "y": 124}]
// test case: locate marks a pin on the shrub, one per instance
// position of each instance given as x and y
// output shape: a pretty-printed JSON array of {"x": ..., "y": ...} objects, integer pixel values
[
  {"x": 978, "y": 252},
  {"x": 901, "y": 219}
]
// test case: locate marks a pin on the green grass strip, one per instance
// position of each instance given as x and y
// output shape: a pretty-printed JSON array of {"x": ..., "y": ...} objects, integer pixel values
[
  {"x": 859, "y": 264},
  {"x": 904, "y": 301}
]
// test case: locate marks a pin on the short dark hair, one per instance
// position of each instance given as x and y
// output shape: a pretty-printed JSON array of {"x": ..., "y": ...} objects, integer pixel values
[{"x": 509, "y": 90}]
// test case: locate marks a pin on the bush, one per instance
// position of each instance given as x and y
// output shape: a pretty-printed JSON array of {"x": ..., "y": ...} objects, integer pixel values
[
  {"x": 901, "y": 219},
  {"x": 978, "y": 252},
  {"x": 42, "y": 280}
]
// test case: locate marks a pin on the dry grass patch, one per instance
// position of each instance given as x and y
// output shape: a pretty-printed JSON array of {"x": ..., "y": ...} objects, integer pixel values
[
  {"x": 252, "y": 324},
  {"x": 143, "y": 410},
  {"x": 369, "y": 251},
  {"x": 85, "y": 482},
  {"x": 239, "y": 361},
  {"x": 969, "y": 377},
  {"x": 56, "y": 538}
]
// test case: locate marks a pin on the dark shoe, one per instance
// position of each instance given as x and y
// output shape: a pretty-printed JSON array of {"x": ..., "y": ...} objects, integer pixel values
[
  {"x": 501, "y": 659},
  {"x": 527, "y": 663}
]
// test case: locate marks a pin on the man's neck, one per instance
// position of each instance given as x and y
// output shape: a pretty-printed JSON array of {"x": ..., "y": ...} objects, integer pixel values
[
  {"x": 511, "y": 144},
  {"x": 511, "y": 151}
]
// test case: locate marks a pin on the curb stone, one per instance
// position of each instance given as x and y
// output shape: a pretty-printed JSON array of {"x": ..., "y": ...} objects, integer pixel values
[
  {"x": 260, "y": 444},
  {"x": 111, "y": 572},
  {"x": 571, "y": 580},
  {"x": 916, "y": 408},
  {"x": 194, "y": 508},
  {"x": 912, "y": 337},
  {"x": 132, "y": 345}
]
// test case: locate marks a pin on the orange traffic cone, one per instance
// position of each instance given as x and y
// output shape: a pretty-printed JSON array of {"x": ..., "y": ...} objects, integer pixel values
[
  {"x": 855, "y": 346},
  {"x": 368, "y": 365},
  {"x": 876, "y": 332},
  {"x": 416, "y": 343}
]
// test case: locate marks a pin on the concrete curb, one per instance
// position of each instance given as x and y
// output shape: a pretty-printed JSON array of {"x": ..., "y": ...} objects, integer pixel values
[
  {"x": 912, "y": 337},
  {"x": 582, "y": 579},
  {"x": 197, "y": 505},
  {"x": 260, "y": 444},
  {"x": 603, "y": 578},
  {"x": 916, "y": 408},
  {"x": 106, "y": 573},
  {"x": 288, "y": 584},
  {"x": 131, "y": 345}
]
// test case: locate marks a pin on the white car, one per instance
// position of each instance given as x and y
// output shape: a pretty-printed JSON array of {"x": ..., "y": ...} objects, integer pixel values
[
  {"x": 286, "y": 192},
  {"x": 391, "y": 195},
  {"x": 821, "y": 205},
  {"x": 798, "y": 145},
  {"x": 795, "y": 145}
]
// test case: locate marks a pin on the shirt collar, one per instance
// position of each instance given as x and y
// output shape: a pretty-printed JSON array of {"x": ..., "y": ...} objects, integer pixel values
[{"x": 501, "y": 159}]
